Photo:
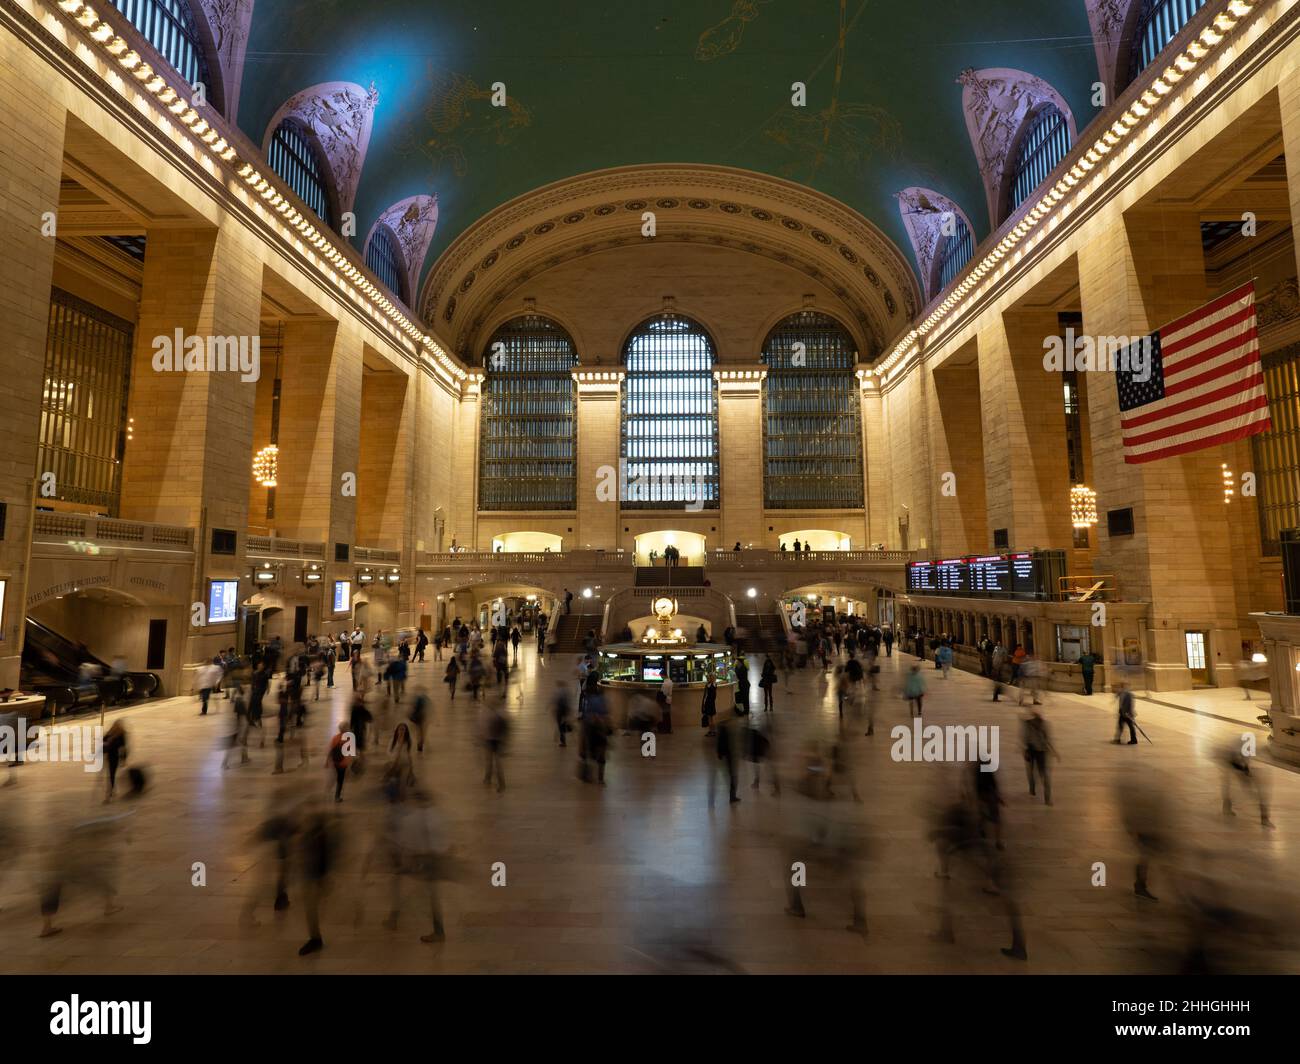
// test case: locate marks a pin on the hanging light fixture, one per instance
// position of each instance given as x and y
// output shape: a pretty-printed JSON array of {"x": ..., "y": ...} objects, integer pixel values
[
  {"x": 266, "y": 464},
  {"x": 1083, "y": 506}
]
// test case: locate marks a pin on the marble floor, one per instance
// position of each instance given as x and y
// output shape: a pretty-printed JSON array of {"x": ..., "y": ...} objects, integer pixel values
[{"x": 645, "y": 874}]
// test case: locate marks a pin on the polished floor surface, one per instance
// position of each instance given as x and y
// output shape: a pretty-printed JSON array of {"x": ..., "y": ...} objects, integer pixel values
[{"x": 646, "y": 874}]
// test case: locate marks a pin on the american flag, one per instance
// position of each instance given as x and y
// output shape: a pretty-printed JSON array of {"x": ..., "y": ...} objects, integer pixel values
[{"x": 1205, "y": 384}]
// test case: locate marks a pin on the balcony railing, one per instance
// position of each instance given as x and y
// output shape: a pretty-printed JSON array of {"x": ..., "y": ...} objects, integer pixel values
[
  {"x": 78, "y": 528},
  {"x": 570, "y": 559},
  {"x": 762, "y": 559},
  {"x": 376, "y": 554}
]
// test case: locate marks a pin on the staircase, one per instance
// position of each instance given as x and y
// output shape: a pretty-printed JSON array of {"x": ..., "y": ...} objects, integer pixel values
[
  {"x": 669, "y": 576},
  {"x": 764, "y": 630},
  {"x": 570, "y": 628}
]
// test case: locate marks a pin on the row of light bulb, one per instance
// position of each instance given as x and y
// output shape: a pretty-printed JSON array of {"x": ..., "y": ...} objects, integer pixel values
[
  {"x": 1182, "y": 65},
  {"x": 153, "y": 82}
]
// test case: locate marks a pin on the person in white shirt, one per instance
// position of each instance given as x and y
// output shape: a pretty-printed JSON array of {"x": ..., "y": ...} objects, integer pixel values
[
  {"x": 666, "y": 705},
  {"x": 208, "y": 679}
]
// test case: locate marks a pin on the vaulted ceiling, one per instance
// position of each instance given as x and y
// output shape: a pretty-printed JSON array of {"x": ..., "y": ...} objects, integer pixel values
[{"x": 590, "y": 86}]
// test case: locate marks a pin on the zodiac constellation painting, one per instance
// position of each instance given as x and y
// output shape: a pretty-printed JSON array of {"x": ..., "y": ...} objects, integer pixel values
[
  {"x": 458, "y": 111},
  {"x": 724, "y": 37}
]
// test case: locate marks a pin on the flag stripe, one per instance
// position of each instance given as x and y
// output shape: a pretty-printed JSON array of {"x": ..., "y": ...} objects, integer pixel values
[
  {"x": 1199, "y": 442},
  {"x": 1213, "y": 418},
  {"x": 1210, "y": 309},
  {"x": 1250, "y": 358},
  {"x": 1171, "y": 347},
  {"x": 1192, "y": 403}
]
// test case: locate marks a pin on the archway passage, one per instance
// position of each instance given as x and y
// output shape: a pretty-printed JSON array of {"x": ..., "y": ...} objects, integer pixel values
[
  {"x": 690, "y": 544},
  {"x": 526, "y": 542},
  {"x": 816, "y": 539}
]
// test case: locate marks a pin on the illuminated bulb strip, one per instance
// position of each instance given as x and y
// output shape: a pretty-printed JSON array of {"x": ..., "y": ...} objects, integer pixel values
[{"x": 1183, "y": 64}]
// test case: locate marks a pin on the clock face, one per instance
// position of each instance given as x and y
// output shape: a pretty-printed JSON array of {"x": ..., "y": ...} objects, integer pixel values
[{"x": 664, "y": 607}]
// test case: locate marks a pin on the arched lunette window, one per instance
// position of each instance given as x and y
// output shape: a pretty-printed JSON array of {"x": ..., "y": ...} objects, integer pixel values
[
  {"x": 170, "y": 27},
  {"x": 384, "y": 258},
  {"x": 1044, "y": 143},
  {"x": 956, "y": 253},
  {"x": 528, "y": 453},
  {"x": 1159, "y": 22},
  {"x": 297, "y": 160},
  {"x": 670, "y": 417},
  {"x": 812, "y": 439}
]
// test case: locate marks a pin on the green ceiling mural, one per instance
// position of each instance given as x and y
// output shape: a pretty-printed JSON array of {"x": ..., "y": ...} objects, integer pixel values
[{"x": 593, "y": 85}]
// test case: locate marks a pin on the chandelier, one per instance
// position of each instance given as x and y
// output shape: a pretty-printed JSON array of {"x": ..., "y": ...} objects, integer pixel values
[
  {"x": 266, "y": 464},
  {"x": 1083, "y": 506}
]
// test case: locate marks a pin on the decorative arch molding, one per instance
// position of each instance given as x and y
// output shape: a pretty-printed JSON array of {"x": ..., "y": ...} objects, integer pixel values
[
  {"x": 412, "y": 221},
  {"x": 998, "y": 103},
  {"x": 709, "y": 205},
  {"x": 789, "y": 310},
  {"x": 506, "y": 314},
  {"x": 657, "y": 308},
  {"x": 228, "y": 24},
  {"x": 339, "y": 115},
  {"x": 1113, "y": 23},
  {"x": 923, "y": 212}
]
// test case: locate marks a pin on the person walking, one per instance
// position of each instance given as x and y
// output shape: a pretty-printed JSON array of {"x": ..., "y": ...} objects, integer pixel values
[
  {"x": 709, "y": 707},
  {"x": 114, "y": 747},
  {"x": 742, "y": 685},
  {"x": 563, "y": 710},
  {"x": 516, "y": 637},
  {"x": 421, "y": 642},
  {"x": 207, "y": 680},
  {"x": 452, "y": 675},
  {"x": 421, "y": 705},
  {"x": 568, "y": 601},
  {"x": 494, "y": 726},
  {"x": 1087, "y": 666},
  {"x": 730, "y": 748},
  {"x": 943, "y": 658},
  {"x": 914, "y": 689},
  {"x": 1127, "y": 715},
  {"x": 1038, "y": 747},
  {"x": 666, "y": 706},
  {"x": 889, "y": 641},
  {"x": 767, "y": 681},
  {"x": 339, "y": 757}
]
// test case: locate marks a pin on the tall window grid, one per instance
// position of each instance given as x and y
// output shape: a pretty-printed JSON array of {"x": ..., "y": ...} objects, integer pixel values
[
  {"x": 83, "y": 404},
  {"x": 169, "y": 26},
  {"x": 956, "y": 253},
  {"x": 1277, "y": 451},
  {"x": 1159, "y": 22},
  {"x": 1042, "y": 147},
  {"x": 385, "y": 261},
  {"x": 297, "y": 161},
  {"x": 528, "y": 453},
  {"x": 812, "y": 440},
  {"x": 670, "y": 417}
]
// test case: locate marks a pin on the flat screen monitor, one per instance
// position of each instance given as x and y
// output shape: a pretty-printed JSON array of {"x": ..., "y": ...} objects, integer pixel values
[
  {"x": 223, "y": 600},
  {"x": 652, "y": 670},
  {"x": 952, "y": 577},
  {"x": 342, "y": 596}
]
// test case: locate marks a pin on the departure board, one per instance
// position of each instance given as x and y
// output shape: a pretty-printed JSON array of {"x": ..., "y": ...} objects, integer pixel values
[{"x": 1023, "y": 575}]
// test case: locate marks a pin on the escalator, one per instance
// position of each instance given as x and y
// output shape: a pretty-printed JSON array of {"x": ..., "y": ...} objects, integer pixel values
[{"x": 52, "y": 666}]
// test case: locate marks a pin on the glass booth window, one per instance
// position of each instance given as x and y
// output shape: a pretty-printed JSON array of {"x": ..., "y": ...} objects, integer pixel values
[
  {"x": 529, "y": 437},
  {"x": 670, "y": 417},
  {"x": 812, "y": 439}
]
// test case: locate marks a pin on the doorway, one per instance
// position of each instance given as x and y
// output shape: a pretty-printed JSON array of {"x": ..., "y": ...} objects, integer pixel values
[
  {"x": 1196, "y": 659},
  {"x": 156, "y": 657}
]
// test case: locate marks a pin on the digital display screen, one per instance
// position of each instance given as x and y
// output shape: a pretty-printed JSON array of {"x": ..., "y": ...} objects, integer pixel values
[
  {"x": 920, "y": 577},
  {"x": 952, "y": 577},
  {"x": 989, "y": 575},
  {"x": 342, "y": 596},
  {"x": 2, "y": 610},
  {"x": 1025, "y": 572},
  {"x": 223, "y": 600},
  {"x": 653, "y": 670}
]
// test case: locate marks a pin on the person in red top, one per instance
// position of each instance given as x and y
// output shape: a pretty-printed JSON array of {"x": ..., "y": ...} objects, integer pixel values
[{"x": 340, "y": 756}]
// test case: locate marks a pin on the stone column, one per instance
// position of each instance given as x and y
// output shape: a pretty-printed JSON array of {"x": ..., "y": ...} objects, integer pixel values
[
  {"x": 599, "y": 470},
  {"x": 740, "y": 442}
]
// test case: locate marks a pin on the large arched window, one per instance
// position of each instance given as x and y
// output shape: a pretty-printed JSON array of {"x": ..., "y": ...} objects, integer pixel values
[
  {"x": 384, "y": 258},
  {"x": 169, "y": 26},
  {"x": 812, "y": 439},
  {"x": 670, "y": 417},
  {"x": 1044, "y": 143},
  {"x": 297, "y": 160},
  {"x": 529, "y": 439},
  {"x": 955, "y": 253},
  {"x": 1159, "y": 22}
]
